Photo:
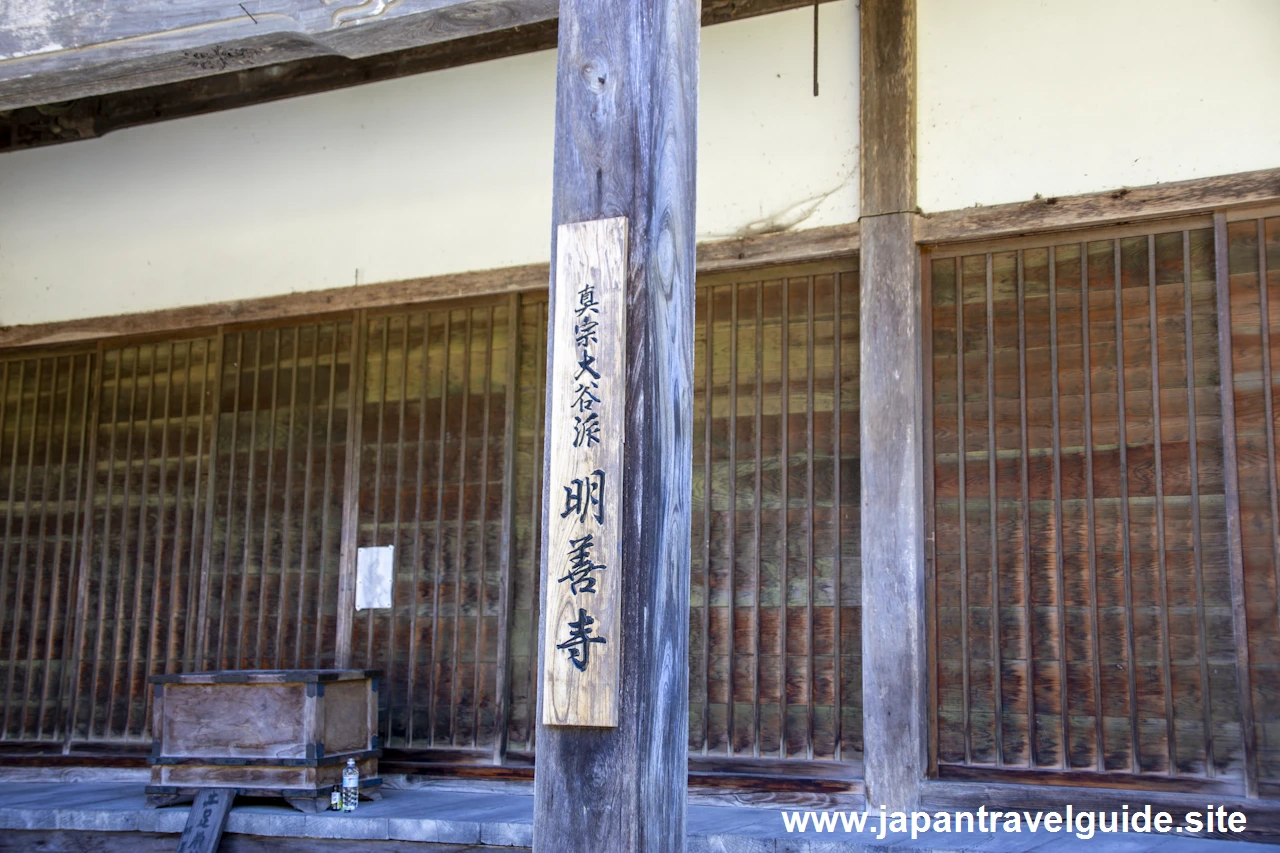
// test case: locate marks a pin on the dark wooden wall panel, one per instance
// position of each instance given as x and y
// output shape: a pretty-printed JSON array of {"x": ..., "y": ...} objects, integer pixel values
[
  {"x": 44, "y": 417},
  {"x": 270, "y": 600},
  {"x": 1253, "y": 265},
  {"x": 776, "y": 600},
  {"x": 435, "y": 405},
  {"x": 1083, "y": 604},
  {"x": 138, "y": 597}
]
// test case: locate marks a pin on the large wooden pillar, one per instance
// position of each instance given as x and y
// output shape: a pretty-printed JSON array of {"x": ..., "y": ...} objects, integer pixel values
[
  {"x": 626, "y": 113},
  {"x": 894, "y": 671}
]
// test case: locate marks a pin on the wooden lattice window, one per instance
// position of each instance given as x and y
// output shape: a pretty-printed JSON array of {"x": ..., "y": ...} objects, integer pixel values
[{"x": 1082, "y": 619}]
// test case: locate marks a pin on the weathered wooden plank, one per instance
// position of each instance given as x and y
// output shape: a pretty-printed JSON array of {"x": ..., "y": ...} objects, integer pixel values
[
  {"x": 626, "y": 112},
  {"x": 235, "y": 86},
  {"x": 206, "y": 820},
  {"x": 580, "y": 658},
  {"x": 894, "y": 640},
  {"x": 346, "y": 602},
  {"x": 1231, "y": 476},
  {"x": 888, "y": 145},
  {"x": 1111, "y": 207},
  {"x": 893, "y": 594},
  {"x": 59, "y": 51}
]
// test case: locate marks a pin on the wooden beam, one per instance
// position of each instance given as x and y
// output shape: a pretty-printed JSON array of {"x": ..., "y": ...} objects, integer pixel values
[
  {"x": 626, "y": 113},
  {"x": 888, "y": 102},
  {"x": 88, "y": 117},
  {"x": 1112, "y": 207},
  {"x": 894, "y": 655},
  {"x": 720, "y": 256},
  {"x": 56, "y": 51}
]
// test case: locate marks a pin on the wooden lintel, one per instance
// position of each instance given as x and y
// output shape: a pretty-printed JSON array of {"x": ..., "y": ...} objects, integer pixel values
[
  {"x": 63, "y": 116},
  {"x": 718, "y": 256},
  {"x": 1112, "y": 207},
  {"x": 52, "y": 53}
]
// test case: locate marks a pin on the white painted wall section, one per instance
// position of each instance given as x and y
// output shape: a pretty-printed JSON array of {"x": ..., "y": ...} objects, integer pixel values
[
  {"x": 1059, "y": 97},
  {"x": 439, "y": 173}
]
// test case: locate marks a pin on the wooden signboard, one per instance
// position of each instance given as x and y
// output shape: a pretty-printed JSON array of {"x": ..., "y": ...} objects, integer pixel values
[{"x": 581, "y": 644}]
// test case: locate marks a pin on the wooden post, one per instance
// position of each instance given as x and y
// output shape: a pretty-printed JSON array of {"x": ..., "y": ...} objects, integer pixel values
[
  {"x": 626, "y": 111},
  {"x": 894, "y": 640}
]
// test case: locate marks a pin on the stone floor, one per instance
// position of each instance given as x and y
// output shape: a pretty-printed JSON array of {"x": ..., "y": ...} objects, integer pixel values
[{"x": 505, "y": 820}]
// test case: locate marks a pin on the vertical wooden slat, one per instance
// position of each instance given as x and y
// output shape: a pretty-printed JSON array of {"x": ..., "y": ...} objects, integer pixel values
[
  {"x": 16, "y": 605},
  {"x": 13, "y": 482},
  {"x": 206, "y": 557},
  {"x": 1024, "y": 476},
  {"x": 708, "y": 397},
  {"x": 482, "y": 580},
  {"x": 837, "y": 450},
  {"x": 963, "y": 508},
  {"x": 1059, "y": 574},
  {"x": 122, "y": 568},
  {"x": 997, "y": 668},
  {"x": 85, "y": 556},
  {"x": 391, "y": 621},
  {"x": 180, "y": 571},
  {"x": 286, "y": 527},
  {"x": 33, "y": 632},
  {"x": 83, "y": 510},
  {"x": 1090, "y": 513},
  {"x": 539, "y": 430},
  {"x": 462, "y": 531},
  {"x": 219, "y": 659},
  {"x": 140, "y": 564},
  {"x": 1231, "y": 478},
  {"x": 304, "y": 568},
  {"x": 412, "y": 680},
  {"x": 159, "y": 574},
  {"x": 506, "y": 601},
  {"x": 1161, "y": 569},
  {"x": 1197, "y": 546},
  {"x": 351, "y": 496},
  {"x": 784, "y": 564},
  {"x": 251, "y": 457},
  {"x": 1273, "y": 490},
  {"x": 267, "y": 506},
  {"x": 326, "y": 488},
  {"x": 1121, "y": 405},
  {"x": 438, "y": 561},
  {"x": 759, "y": 655},
  {"x": 733, "y": 518},
  {"x": 810, "y": 675},
  {"x": 357, "y": 445}
]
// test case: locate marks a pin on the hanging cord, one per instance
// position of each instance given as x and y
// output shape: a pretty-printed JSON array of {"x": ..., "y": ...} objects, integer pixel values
[{"x": 815, "y": 48}]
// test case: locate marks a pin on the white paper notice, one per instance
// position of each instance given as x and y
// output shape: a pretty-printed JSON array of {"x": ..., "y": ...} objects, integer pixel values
[{"x": 373, "y": 577}]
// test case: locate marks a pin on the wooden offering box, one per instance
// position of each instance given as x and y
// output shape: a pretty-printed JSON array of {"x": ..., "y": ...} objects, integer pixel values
[{"x": 284, "y": 733}]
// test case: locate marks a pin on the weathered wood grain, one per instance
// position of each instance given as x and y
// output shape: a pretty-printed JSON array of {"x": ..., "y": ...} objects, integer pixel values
[
  {"x": 586, "y": 403},
  {"x": 234, "y": 87},
  {"x": 53, "y": 53},
  {"x": 206, "y": 820},
  {"x": 888, "y": 102},
  {"x": 894, "y": 639},
  {"x": 1112, "y": 207},
  {"x": 891, "y": 440},
  {"x": 626, "y": 111}
]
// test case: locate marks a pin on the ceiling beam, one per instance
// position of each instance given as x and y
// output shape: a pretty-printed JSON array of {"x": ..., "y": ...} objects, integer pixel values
[
  {"x": 63, "y": 119},
  {"x": 57, "y": 50}
]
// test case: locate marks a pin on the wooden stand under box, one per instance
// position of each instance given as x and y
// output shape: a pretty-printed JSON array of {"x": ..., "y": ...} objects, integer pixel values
[{"x": 284, "y": 733}]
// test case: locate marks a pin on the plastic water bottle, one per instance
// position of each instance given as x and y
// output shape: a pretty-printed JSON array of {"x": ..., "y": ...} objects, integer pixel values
[{"x": 350, "y": 786}]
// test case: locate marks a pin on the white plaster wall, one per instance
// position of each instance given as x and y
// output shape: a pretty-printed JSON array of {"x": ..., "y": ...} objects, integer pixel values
[
  {"x": 439, "y": 173},
  {"x": 1057, "y": 97}
]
